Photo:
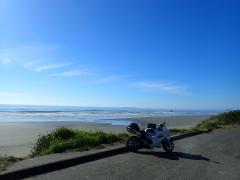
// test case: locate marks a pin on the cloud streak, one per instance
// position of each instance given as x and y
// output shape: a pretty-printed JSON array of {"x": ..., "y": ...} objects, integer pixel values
[
  {"x": 51, "y": 66},
  {"x": 31, "y": 64},
  {"x": 21, "y": 54},
  {"x": 110, "y": 79},
  {"x": 73, "y": 73},
  {"x": 165, "y": 87}
]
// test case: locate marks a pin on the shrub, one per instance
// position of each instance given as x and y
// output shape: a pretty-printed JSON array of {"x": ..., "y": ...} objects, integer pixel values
[
  {"x": 43, "y": 142},
  {"x": 231, "y": 118},
  {"x": 63, "y": 139},
  {"x": 63, "y": 133}
]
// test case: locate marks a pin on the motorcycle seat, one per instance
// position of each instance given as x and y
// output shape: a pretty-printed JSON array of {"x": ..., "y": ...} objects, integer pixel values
[{"x": 151, "y": 126}]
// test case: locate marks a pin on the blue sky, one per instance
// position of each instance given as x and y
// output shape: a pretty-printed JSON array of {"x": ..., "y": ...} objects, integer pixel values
[{"x": 155, "y": 54}]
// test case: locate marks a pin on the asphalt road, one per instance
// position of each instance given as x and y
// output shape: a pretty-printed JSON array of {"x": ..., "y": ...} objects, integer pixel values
[{"x": 207, "y": 156}]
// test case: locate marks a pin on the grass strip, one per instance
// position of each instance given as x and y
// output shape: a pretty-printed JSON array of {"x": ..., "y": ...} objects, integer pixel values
[{"x": 63, "y": 139}]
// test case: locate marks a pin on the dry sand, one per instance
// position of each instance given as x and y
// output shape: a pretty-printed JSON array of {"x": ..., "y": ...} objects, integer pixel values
[{"x": 18, "y": 138}]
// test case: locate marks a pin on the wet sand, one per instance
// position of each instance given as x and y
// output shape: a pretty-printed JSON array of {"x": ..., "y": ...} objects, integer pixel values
[{"x": 18, "y": 138}]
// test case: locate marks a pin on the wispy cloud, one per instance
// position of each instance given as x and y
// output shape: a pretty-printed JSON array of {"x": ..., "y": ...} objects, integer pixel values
[
  {"x": 110, "y": 78},
  {"x": 31, "y": 64},
  {"x": 27, "y": 53},
  {"x": 51, "y": 66},
  {"x": 79, "y": 72},
  {"x": 166, "y": 87},
  {"x": 5, "y": 60}
]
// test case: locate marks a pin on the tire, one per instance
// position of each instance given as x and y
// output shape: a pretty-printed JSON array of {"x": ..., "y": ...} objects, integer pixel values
[
  {"x": 168, "y": 146},
  {"x": 133, "y": 143}
]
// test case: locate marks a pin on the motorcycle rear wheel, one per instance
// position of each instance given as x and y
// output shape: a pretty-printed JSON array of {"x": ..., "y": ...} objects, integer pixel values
[
  {"x": 168, "y": 146},
  {"x": 133, "y": 143}
]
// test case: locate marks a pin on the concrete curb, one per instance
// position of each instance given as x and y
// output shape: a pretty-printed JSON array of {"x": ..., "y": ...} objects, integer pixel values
[
  {"x": 36, "y": 170},
  {"x": 49, "y": 167},
  {"x": 185, "y": 135}
]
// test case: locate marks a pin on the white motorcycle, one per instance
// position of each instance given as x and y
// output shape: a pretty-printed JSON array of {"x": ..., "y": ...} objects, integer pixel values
[{"x": 152, "y": 137}]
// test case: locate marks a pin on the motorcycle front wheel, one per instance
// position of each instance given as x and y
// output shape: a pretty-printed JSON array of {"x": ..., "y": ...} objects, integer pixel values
[
  {"x": 168, "y": 146},
  {"x": 133, "y": 143}
]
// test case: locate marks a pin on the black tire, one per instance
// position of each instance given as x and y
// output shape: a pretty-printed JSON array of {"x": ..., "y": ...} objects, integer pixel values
[
  {"x": 168, "y": 146},
  {"x": 133, "y": 143}
]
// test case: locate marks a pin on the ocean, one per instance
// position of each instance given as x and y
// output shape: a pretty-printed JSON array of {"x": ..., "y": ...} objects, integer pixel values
[{"x": 114, "y": 116}]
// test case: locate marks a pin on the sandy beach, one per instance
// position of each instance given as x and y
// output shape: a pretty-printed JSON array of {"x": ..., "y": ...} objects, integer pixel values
[{"x": 18, "y": 138}]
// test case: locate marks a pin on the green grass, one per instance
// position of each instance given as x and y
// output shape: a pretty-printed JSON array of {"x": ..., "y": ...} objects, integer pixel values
[
  {"x": 223, "y": 120},
  {"x": 227, "y": 119},
  {"x": 5, "y": 161},
  {"x": 63, "y": 139}
]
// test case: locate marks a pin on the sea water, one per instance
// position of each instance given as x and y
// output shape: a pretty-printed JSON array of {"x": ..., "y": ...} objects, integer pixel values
[{"x": 114, "y": 116}]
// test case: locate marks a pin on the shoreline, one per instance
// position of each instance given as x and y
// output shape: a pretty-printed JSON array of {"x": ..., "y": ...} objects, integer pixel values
[{"x": 17, "y": 138}]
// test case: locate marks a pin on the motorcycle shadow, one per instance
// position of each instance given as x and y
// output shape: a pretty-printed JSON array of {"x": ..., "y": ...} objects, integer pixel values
[{"x": 176, "y": 155}]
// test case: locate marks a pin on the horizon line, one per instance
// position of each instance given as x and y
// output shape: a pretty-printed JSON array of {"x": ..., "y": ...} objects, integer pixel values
[{"x": 127, "y": 107}]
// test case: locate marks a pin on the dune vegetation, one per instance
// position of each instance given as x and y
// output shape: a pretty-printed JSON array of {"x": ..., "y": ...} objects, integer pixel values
[
  {"x": 223, "y": 120},
  {"x": 227, "y": 119},
  {"x": 63, "y": 139}
]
